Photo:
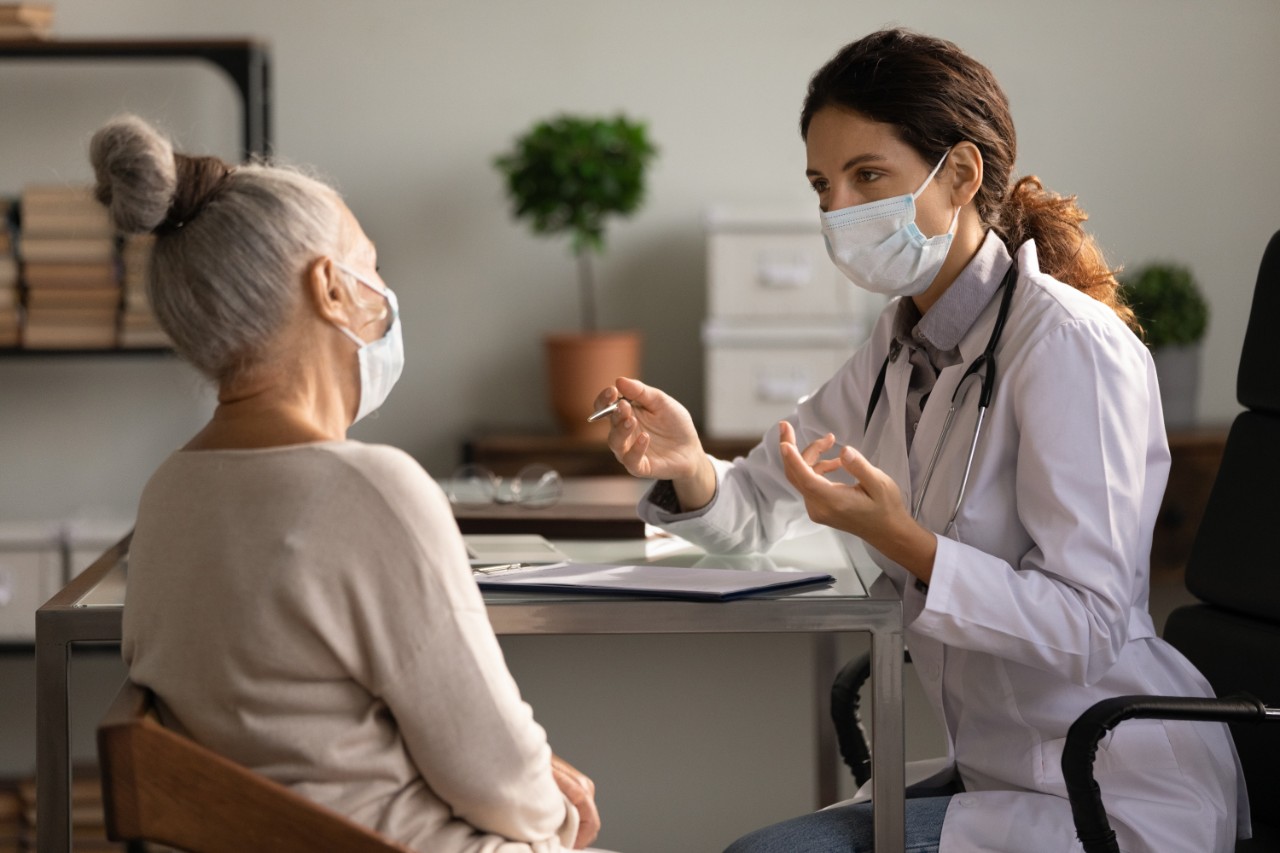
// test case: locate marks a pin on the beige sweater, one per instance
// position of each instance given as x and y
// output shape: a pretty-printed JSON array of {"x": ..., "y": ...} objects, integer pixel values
[{"x": 309, "y": 612}]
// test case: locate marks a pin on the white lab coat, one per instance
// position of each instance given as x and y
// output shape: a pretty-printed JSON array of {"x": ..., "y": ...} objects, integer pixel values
[{"x": 1038, "y": 604}]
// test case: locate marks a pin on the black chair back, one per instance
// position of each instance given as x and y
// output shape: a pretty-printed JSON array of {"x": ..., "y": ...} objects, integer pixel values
[{"x": 1233, "y": 636}]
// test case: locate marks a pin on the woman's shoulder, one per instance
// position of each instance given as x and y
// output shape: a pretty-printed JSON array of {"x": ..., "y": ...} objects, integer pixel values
[
  {"x": 388, "y": 470},
  {"x": 1048, "y": 305},
  {"x": 380, "y": 458}
]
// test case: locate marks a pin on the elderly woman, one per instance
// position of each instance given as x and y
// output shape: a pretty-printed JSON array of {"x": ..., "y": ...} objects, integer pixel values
[{"x": 299, "y": 602}]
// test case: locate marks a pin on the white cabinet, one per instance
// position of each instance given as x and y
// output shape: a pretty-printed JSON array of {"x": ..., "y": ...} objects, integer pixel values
[{"x": 781, "y": 318}]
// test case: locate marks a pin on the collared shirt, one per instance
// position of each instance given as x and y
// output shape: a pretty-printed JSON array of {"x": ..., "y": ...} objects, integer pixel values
[{"x": 932, "y": 340}]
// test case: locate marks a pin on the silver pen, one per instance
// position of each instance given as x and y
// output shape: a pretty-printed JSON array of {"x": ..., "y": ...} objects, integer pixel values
[
  {"x": 607, "y": 410},
  {"x": 498, "y": 569}
]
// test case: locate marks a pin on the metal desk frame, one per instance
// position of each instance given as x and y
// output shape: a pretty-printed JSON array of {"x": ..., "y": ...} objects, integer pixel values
[{"x": 63, "y": 621}]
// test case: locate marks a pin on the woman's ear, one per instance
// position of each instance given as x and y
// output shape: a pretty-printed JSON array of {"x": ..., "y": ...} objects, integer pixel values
[
  {"x": 966, "y": 173},
  {"x": 328, "y": 295}
]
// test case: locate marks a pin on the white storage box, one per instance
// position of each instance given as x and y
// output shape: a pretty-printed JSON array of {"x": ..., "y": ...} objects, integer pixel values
[
  {"x": 757, "y": 375},
  {"x": 31, "y": 571},
  {"x": 766, "y": 263}
]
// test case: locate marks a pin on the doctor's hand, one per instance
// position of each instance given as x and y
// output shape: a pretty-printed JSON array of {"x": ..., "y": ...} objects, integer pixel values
[
  {"x": 581, "y": 791},
  {"x": 652, "y": 435},
  {"x": 871, "y": 508}
]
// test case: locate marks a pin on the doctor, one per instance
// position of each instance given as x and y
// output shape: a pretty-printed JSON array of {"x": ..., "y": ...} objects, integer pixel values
[{"x": 998, "y": 445}]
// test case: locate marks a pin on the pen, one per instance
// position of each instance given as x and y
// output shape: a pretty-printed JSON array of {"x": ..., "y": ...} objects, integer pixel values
[
  {"x": 607, "y": 410},
  {"x": 498, "y": 569}
]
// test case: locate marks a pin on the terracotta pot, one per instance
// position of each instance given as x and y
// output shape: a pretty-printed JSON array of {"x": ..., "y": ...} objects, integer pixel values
[{"x": 579, "y": 366}]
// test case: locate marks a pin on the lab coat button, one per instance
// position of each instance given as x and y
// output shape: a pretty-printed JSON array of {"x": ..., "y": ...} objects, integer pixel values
[{"x": 967, "y": 802}]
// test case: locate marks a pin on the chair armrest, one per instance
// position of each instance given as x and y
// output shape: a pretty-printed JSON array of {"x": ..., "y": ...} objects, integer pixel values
[
  {"x": 1092, "y": 826},
  {"x": 845, "y": 690}
]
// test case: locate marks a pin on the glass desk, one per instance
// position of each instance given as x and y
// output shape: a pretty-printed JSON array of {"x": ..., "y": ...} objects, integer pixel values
[{"x": 89, "y": 610}]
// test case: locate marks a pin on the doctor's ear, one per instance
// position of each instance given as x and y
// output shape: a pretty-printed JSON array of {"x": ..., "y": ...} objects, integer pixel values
[
  {"x": 965, "y": 174},
  {"x": 327, "y": 292}
]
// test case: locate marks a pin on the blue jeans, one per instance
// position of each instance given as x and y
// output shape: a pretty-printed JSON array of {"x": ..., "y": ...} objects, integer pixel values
[{"x": 846, "y": 829}]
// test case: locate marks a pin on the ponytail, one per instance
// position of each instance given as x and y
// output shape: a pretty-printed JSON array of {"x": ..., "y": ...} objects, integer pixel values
[{"x": 1065, "y": 250}]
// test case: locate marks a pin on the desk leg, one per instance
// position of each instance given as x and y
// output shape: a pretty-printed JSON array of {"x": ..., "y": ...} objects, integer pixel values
[
  {"x": 828, "y": 765},
  {"x": 888, "y": 769},
  {"x": 53, "y": 747}
]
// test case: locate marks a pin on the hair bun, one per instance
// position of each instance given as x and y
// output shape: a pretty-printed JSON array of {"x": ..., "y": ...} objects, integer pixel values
[{"x": 136, "y": 174}]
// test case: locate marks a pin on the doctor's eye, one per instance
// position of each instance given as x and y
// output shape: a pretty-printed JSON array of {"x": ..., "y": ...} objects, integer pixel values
[
  {"x": 818, "y": 186},
  {"x": 867, "y": 176}
]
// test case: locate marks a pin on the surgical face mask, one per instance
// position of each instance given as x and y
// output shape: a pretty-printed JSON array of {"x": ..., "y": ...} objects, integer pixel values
[
  {"x": 381, "y": 361},
  {"x": 879, "y": 248}
]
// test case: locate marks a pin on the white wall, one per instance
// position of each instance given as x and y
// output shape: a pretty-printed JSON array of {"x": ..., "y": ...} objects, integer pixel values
[{"x": 1159, "y": 114}]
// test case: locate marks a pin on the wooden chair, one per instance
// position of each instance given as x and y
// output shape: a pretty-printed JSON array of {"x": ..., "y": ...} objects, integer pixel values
[{"x": 161, "y": 787}]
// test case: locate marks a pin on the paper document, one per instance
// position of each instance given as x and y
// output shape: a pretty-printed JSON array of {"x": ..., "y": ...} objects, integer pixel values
[
  {"x": 646, "y": 579},
  {"x": 487, "y": 549}
]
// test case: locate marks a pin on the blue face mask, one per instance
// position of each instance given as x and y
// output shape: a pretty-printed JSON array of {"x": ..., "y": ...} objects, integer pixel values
[
  {"x": 879, "y": 248},
  {"x": 381, "y": 361}
]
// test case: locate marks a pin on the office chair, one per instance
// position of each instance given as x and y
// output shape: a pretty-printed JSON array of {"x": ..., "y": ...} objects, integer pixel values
[
  {"x": 161, "y": 787},
  {"x": 850, "y": 738},
  {"x": 1233, "y": 634}
]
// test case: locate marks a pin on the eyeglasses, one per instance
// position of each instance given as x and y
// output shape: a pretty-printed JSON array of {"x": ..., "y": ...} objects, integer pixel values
[{"x": 535, "y": 486}]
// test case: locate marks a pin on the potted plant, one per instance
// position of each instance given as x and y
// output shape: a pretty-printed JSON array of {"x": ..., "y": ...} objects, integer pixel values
[
  {"x": 1174, "y": 316},
  {"x": 570, "y": 175}
]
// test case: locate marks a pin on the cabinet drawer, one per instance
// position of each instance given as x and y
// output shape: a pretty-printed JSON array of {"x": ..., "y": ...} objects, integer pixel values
[
  {"x": 774, "y": 274},
  {"x": 749, "y": 388},
  {"x": 28, "y": 578}
]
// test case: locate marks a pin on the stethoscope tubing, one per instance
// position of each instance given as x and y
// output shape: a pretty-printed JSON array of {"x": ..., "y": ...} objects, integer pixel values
[{"x": 984, "y": 368}]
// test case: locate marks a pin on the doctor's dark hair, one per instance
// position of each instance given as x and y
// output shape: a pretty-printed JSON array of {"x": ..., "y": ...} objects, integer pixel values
[
  {"x": 935, "y": 96},
  {"x": 231, "y": 243}
]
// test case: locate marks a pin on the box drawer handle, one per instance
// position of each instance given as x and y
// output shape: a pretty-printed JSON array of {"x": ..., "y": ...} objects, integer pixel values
[
  {"x": 783, "y": 271},
  {"x": 788, "y": 388}
]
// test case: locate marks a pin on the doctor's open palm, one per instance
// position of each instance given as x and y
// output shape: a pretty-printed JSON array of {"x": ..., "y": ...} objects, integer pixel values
[{"x": 651, "y": 433}]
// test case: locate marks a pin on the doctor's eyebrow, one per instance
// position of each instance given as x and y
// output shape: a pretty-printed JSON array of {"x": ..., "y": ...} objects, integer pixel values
[{"x": 851, "y": 163}]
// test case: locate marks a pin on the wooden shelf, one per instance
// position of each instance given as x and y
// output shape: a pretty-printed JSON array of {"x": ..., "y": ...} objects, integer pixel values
[
  {"x": 506, "y": 453},
  {"x": 246, "y": 61},
  {"x": 1195, "y": 457}
]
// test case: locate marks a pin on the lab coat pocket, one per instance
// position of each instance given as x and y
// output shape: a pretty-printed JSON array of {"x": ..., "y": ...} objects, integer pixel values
[{"x": 1135, "y": 747}]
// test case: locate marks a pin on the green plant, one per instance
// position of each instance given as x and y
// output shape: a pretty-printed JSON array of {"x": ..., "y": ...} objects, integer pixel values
[
  {"x": 570, "y": 174},
  {"x": 1168, "y": 303}
]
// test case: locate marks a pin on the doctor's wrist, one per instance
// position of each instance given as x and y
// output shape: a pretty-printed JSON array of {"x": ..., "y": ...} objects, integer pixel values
[
  {"x": 696, "y": 491},
  {"x": 910, "y": 545}
]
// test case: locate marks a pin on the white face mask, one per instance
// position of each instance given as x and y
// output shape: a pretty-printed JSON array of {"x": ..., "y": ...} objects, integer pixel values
[
  {"x": 381, "y": 361},
  {"x": 879, "y": 248}
]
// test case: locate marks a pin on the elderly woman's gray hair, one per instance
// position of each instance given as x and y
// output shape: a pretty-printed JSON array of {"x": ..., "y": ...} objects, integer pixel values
[{"x": 231, "y": 243}]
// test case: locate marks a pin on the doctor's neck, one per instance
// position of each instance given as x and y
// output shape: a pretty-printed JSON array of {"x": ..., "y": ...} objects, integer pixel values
[{"x": 970, "y": 233}]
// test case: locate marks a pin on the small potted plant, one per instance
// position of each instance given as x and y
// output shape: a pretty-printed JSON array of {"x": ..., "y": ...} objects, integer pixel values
[
  {"x": 570, "y": 175},
  {"x": 1174, "y": 316}
]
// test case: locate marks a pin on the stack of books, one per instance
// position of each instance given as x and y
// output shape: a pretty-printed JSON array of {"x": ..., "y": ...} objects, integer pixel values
[
  {"x": 88, "y": 822},
  {"x": 138, "y": 326},
  {"x": 24, "y": 21},
  {"x": 68, "y": 252},
  {"x": 9, "y": 302}
]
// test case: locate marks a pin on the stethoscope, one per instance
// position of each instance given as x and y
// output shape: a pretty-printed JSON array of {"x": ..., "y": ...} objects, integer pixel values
[{"x": 984, "y": 368}]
